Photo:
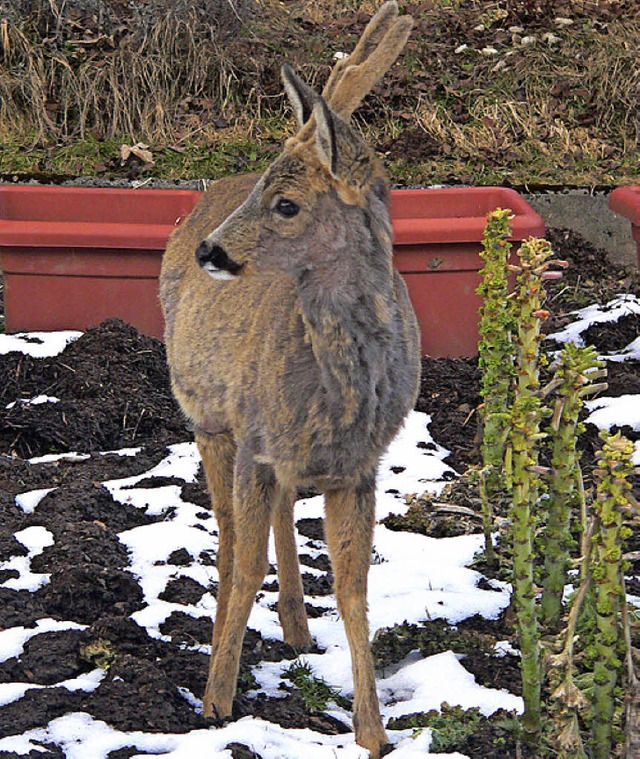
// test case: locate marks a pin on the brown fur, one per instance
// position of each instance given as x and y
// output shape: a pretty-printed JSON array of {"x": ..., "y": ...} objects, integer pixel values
[{"x": 301, "y": 367}]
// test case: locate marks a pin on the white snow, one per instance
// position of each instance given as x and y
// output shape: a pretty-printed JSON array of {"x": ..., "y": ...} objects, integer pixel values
[
  {"x": 12, "y": 640},
  {"x": 35, "y": 539},
  {"x": 49, "y": 458},
  {"x": 88, "y": 682},
  {"x": 607, "y": 412},
  {"x": 412, "y": 688},
  {"x": 413, "y": 578},
  {"x": 623, "y": 305},
  {"x": 29, "y": 500},
  {"x": 38, "y": 344},
  {"x": 39, "y": 399}
]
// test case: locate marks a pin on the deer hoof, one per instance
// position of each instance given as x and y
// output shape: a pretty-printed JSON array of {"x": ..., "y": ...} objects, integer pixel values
[{"x": 375, "y": 741}]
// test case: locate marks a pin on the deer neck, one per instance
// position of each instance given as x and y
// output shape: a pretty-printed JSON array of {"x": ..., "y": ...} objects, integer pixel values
[{"x": 349, "y": 309}]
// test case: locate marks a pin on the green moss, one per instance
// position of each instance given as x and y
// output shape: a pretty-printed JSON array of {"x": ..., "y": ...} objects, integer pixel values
[
  {"x": 99, "y": 653},
  {"x": 390, "y": 645},
  {"x": 449, "y": 728},
  {"x": 316, "y": 692}
]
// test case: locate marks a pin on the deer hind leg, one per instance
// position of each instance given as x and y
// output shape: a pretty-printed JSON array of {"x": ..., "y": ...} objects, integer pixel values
[
  {"x": 253, "y": 496},
  {"x": 293, "y": 615},
  {"x": 218, "y": 454},
  {"x": 350, "y": 515}
]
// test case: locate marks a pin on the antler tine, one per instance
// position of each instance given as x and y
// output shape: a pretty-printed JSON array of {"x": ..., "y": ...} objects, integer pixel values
[
  {"x": 358, "y": 80},
  {"x": 374, "y": 32}
]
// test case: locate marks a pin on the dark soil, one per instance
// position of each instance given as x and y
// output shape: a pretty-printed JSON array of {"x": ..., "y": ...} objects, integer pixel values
[{"x": 114, "y": 392}]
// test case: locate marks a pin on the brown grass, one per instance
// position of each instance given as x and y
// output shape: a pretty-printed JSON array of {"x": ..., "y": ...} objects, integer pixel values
[
  {"x": 140, "y": 82},
  {"x": 207, "y": 72}
]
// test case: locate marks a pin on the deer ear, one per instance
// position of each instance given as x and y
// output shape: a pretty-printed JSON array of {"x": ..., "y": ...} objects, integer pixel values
[
  {"x": 301, "y": 96},
  {"x": 326, "y": 141}
]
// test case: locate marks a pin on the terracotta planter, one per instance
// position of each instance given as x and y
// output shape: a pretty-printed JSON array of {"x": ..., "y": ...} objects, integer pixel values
[
  {"x": 73, "y": 256},
  {"x": 437, "y": 243},
  {"x": 626, "y": 202}
]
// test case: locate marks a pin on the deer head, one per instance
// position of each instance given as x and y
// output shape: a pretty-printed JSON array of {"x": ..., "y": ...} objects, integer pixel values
[{"x": 294, "y": 219}]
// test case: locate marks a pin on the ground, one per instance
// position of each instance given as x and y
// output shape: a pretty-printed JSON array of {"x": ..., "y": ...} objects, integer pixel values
[
  {"x": 113, "y": 391},
  {"x": 461, "y": 106}
]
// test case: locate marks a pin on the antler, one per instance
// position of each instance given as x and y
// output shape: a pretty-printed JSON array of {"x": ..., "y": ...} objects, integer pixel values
[
  {"x": 352, "y": 78},
  {"x": 375, "y": 30}
]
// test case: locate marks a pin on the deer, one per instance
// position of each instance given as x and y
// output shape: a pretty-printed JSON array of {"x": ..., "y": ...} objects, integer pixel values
[{"x": 293, "y": 350}]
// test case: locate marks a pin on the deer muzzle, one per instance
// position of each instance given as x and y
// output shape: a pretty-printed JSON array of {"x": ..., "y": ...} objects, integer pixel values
[{"x": 215, "y": 261}]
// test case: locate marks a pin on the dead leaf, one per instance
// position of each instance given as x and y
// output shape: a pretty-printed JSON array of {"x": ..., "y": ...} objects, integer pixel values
[{"x": 139, "y": 150}]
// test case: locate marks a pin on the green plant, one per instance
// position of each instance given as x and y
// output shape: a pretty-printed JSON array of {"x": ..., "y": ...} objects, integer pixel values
[
  {"x": 391, "y": 644},
  {"x": 315, "y": 691},
  {"x": 525, "y": 415},
  {"x": 576, "y": 368},
  {"x": 612, "y": 474},
  {"x": 450, "y": 726},
  {"x": 100, "y": 653},
  {"x": 496, "y": 360},
  {"x": 583, "y": 687},
  {"x": 246, "y": 680},
  {"x": 569, "y": 699}
]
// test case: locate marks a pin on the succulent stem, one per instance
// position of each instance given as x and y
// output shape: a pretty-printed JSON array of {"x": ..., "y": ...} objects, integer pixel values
[
  {"x": 524, "y": 434},
  {"x": 612, "y": 474},
  {"x": 495, "y": 347},
  {"x": 575, "y": 369}
]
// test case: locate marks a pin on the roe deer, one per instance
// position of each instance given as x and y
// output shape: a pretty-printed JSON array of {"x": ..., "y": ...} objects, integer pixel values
[{"x": 296, "y": 360}]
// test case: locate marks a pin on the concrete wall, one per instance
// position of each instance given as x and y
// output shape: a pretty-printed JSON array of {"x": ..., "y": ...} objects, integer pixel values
[{"x": 588, "y": 214}]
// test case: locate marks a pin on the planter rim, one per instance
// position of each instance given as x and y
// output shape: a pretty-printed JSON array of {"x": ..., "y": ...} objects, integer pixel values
[
  {"x": 65, "y": 234},
  {"x": 58, "y": 251},
  {"x": 410, "y": 211},
  {"x": 626, "y": 202},
  {"x": 18, "y": 230},
  {"x": 79, "y": 190},
  {"x": 464, "y": 224}
]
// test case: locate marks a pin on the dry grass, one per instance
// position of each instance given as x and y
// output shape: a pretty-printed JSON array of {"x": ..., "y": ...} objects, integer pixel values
[
  {"x": 206, "y": 73},
  {"x": 147, "y": 82}
]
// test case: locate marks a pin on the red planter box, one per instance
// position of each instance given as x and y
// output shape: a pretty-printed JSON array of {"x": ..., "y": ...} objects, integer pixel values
[
  {"x": 437, "y": 244},
  {"x": 72, "y": 257},
  {"x": 626, "y": 202}
]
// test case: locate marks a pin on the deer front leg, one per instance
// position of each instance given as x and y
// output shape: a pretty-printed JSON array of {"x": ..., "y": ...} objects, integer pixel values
[
  {"x": 350, "y": 515},
  {"x": 218, "y": 454},
  {"x": 291, "y": 611},
  {"x": 252, "y": 504}
]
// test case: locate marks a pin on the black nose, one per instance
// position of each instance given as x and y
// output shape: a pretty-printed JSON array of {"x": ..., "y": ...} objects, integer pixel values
[
  {"x": 203, "y": 253},
  {"x": 216, "y": 256}
]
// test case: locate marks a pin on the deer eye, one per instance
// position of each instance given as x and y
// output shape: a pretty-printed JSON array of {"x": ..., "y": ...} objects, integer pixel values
[{"x": 287, "y": 208}]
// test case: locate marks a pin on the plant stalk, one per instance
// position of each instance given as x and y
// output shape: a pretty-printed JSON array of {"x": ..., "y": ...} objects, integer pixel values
[
  {"x": 612, "y": 473},
  {"x": 575, "y": 369}
]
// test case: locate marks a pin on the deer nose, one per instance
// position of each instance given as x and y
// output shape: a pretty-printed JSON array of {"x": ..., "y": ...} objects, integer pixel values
[
  {"x": 203, "y": 253},
  {"x": 214, "y": 259}
]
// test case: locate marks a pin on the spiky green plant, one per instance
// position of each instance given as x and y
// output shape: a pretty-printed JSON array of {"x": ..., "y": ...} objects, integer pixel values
[
  {"x": 495, "y": 347},
  {"x": 496, "y": 361},
  {"x": 569, "y": 698},
  {"x": 524, "y": 434},
  {"x": 576, "y": 368},
  {"x": 612, "y": 497}
]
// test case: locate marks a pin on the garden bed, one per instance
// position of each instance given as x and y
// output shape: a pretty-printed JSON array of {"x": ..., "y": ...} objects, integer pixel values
[{"x": 109, "y": 390}]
